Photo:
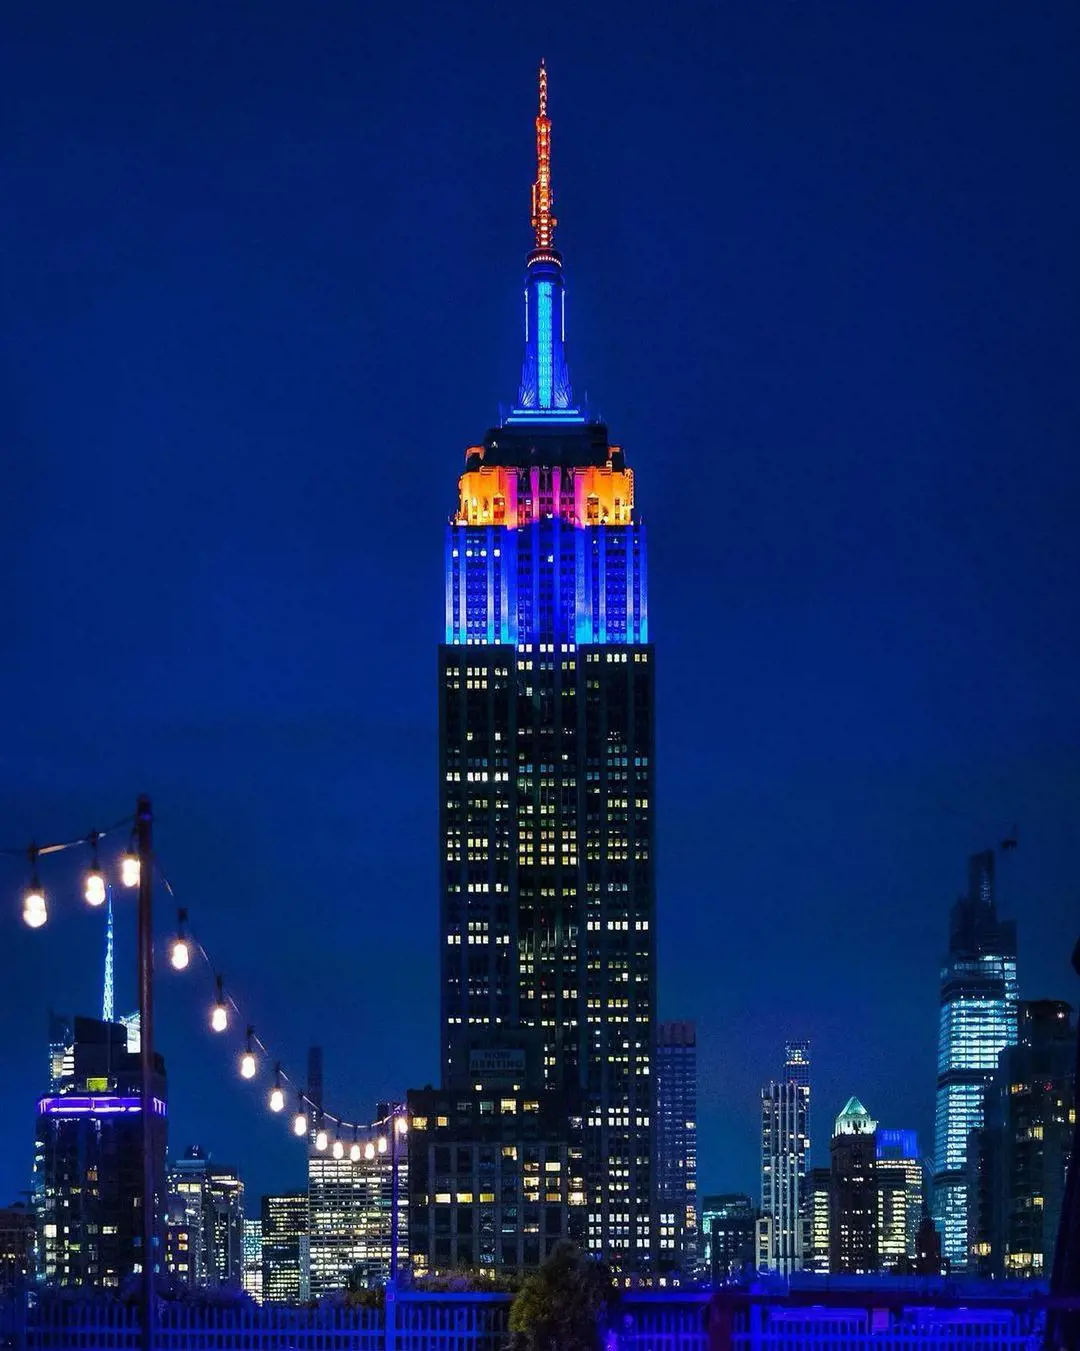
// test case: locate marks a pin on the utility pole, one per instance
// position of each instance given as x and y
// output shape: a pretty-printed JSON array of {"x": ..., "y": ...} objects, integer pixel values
[{"x": 143, "y": 831}]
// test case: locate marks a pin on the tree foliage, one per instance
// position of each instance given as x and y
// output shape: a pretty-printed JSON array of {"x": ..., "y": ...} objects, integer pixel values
[{"x": 567, "y": 1304}]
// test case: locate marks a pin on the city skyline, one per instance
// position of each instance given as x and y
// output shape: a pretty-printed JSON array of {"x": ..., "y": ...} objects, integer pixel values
[{"x": 837, "y": 797}]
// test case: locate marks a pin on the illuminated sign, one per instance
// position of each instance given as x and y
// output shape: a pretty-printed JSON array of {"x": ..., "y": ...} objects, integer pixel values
[
  {"x": 98, "y": 1085},
  {"x": 497, "y": 1064},
  {"x": 95, "y": 1104}
]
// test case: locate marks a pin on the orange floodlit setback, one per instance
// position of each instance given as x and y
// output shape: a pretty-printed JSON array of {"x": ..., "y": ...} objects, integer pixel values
[
  {"x": 580, "y": 495},
  {"x": 543, "y": 222}
]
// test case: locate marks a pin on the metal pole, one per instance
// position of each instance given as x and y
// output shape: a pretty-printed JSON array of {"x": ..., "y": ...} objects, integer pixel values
[
  {"x": 143, "y": 822},
  {"x": 394, "y": 1193}
]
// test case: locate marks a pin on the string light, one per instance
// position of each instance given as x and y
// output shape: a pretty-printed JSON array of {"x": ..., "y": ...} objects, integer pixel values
[
  {"x": 338, "y": 1150},
  {"x": 320, "y": 1139},
  {"x": 354, "y": 1149},
  {"x": 369, "y": 1150},
  {"x": 402, "y": 1125},
  {"x": 179, "y": 949},
  {"x": 219, "y": 1015},
  {"x": 299, "y": 1124},
  {"x": 247, "y": 1060},
  {"x": 277, "y": 1094},
  {"x": 382, "y": 1144}
]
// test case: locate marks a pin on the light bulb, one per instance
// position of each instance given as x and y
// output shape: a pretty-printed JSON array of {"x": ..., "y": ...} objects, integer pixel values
[
  {"x": 320, "y": 1140},
  {"x": 369, "y": 1150},
  {"x": 339, "y": 1150},
  {"x": 382, "y": 1144},
  {"x": 247, "y": 1068},
  {"x": 179, "y": 954},
  {"x": 277, "y": 1099},
  {"x": 299, "y": 1124},
  {"x": 219, "y": 1018},
  {"x": 95, "y": 887},
  {"x": 35, "y": 911},
  {"x": 402, "y": 1125},
  {"x": 354, "y": 1152},
  {"x": 130, "y": 870}
]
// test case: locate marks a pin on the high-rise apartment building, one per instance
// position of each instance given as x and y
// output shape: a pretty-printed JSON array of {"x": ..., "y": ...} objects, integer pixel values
[
  {"x": 88, "y": 1174},
  {"x": 675, "y": 1075},
  {"x": 785, "y": 1139},
  {"x": 728, "y": 1223},
  {"x": 853, "y": 1197},
  {"x": 285, "y": 1249},
  {"x": 16, "y": 1246},
  {"x": 1018, "y": 1158},
  {"x": 253, "y": 1259},
  {"x": 205, "y": 1221},
  {"x": 546, "y": 762},
  {"x": 901, "y": 1197},
  {"x": 978, "y": 1020},
  {"x": 818, "y": 1205}
]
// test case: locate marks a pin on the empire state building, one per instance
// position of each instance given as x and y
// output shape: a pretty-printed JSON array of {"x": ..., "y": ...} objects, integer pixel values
[{"x": 547, "y": 774}]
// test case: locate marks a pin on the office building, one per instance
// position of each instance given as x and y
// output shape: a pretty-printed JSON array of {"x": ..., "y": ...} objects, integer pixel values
[
  {"x": 1018, "y": 1158},
  {"x": 901, "y": 1197},
  {"x": 783, "y": 1235},
  {"x": 819, "y": 1205},
  {"x": 496, "y": 1177},
  {"x": 853, "y": 1202},
  {"x": 253, "y": 1259},
  {"x": 675, "y": 1076},
  {"x": 205, "y": 1221},
  {"x": 16, "y": 1246},
  {"x": 977, "y": 1021},
  {"x": 350, "y": 1210},
  {"x": 546, "y": 761},
  {"x": 88, "y": 1161},
  {"x": 728, "y": 1224},
  {"x": 285, "y": 1249}
]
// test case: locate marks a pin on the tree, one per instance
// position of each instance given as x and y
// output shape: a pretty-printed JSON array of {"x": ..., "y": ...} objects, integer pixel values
[{"x": 567, "y": 1304}]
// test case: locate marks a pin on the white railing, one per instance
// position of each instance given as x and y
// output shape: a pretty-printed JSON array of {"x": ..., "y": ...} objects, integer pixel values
[{"x": 427, "y": 1321}]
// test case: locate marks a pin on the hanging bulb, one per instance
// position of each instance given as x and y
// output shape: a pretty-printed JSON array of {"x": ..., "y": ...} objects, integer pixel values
[
  {"x": 320, "y": 1139},
  {"x": 179, "y": 948},
  {"x": 369, "y": 1150},
  {"x": 338, "y": 1150},
  {"x": 35, "y": 911},
  {"x": 130, "y": 869},
  {"x": 95, "y": 886},
  {"x": 382, "y": 1144},
  {"x": 355, "y": 1152},
  {"x": 402, "y": 1125},
  {"x": 219, "y": 1015},
  {"x": 277, "y": 1093},
  {"x": 299, "y": 1124},
  {"x": 247, "y": 1060}
]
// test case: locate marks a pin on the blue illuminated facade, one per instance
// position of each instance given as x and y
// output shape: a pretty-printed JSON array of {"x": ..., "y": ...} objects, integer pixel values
[{"x": 547, "y": 779}]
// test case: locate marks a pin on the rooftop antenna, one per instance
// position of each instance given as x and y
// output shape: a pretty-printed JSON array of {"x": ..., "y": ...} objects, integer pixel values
[{"x": 107, "y": 997}]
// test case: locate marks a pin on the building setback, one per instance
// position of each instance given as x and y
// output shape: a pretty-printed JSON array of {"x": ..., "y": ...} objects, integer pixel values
[
  {"x": 546, "y": 764},
  {"x": 783, "y": 1237},
  {"x": 676, "y": 1146},
  {"x": 977, "y": 1021}
]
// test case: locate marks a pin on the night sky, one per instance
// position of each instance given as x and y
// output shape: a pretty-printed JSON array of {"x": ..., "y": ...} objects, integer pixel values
[{"x": 262, "y": 270}]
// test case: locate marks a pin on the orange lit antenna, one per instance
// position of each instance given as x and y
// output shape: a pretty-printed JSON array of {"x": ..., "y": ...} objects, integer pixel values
[{"x": 543, "y": 222}]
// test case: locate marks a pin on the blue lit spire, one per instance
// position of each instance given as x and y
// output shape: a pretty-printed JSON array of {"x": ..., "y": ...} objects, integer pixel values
[{"x": 545, "y": 391}]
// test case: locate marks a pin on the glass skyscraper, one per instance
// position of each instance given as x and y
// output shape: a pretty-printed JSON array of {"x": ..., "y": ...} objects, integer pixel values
[
  {"x": 783, "y": 1229},
  {"x": 675, "y": 1077},
  {"x": 546, "y": 764},
  {"x": 978, "y": 1020}
]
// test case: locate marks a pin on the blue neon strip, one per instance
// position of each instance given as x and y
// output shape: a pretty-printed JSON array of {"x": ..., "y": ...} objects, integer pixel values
[
  {"x": 97, "y": 1104},
  {"x": 543, "y": 342}
]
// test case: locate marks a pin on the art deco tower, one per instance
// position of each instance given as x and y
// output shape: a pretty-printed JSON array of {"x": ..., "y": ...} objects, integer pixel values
[{"x": 546, "y": 763}]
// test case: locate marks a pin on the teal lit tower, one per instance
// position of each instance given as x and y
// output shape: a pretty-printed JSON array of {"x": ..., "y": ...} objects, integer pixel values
[{"x": 546, "y": 768}]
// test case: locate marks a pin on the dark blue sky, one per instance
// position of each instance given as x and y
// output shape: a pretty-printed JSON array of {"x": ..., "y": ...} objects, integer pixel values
[{"x": 262, "y": 269}]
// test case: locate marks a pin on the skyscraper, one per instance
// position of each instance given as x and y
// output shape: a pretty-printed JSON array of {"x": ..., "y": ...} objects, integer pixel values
[
  {"x": 853, "y": 1198},
  {"x": 207, "y": 1200},
  {"x": 546, "y": 762},
  {"x": 783, "y": 1236},
  {"x": 727, "y": 1228},
  {"x": 901, "y": 1197},
  {"x": 253, "y": 1259},
  {"x": 1020, "y": 1155},
  {"x": 88, "y": 1160},
  {"x": 978, "y": 1019},
  {"x": 285, "y": 1249},
  {"x": 675, "y": 1075}
]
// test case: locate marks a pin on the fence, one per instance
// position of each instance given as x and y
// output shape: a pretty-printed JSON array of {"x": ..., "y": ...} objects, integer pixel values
[{"x": 653, "y": 1321}]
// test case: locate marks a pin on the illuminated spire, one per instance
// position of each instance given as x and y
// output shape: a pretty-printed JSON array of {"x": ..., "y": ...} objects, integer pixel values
[
  {"x": 107, "y": 995},
  {"x": 543, "y": 222}
]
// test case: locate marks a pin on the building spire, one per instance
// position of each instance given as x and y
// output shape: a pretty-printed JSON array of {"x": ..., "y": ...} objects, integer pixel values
[
  {"x": 543, "y": 222},
  {"x": 108, "y": 992}
]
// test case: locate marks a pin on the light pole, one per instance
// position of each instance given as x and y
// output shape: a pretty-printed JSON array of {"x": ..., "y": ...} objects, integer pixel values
[{"x": 144, "y": 819}]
